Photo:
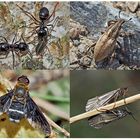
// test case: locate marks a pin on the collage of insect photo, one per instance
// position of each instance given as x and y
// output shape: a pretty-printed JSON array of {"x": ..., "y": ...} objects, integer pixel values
[{"x": 69, "y": 69}]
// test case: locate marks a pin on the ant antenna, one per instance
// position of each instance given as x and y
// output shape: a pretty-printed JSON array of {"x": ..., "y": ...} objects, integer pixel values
[{"x": 54, "y": 10}]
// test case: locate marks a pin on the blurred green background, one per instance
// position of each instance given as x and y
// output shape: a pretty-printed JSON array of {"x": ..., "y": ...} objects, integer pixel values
[
  {"x": 88, "y": 84},
  {"x": 51, "y": 92}
]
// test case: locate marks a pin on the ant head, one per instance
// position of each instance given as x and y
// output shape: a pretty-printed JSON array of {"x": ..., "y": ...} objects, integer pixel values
[
  {"x": 44, "y": 13},
  {"x": 22, "y": 46}
]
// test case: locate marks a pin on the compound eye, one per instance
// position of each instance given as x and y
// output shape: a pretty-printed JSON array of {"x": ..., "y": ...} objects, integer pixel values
[
  {"x": 23, "y": 79},
  {"x": 44, "y": 13}
]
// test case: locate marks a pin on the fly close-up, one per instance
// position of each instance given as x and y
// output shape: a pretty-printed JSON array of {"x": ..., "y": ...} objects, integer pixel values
[{"x": 28, "y": 118}]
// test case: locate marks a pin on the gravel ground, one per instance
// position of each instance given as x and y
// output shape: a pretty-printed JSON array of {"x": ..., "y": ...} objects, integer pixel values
[{"x": 89, "y": 20}]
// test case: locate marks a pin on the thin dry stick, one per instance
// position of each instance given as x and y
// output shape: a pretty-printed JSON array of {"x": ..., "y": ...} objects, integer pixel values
[
  {"x": 52, "y": 123},
  {"x": 47, "y": 106},
  {"x": 104, "y": 108}
]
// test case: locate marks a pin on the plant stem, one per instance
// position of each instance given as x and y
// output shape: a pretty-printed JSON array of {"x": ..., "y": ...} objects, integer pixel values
[
  {"x": 62, "y": 130},
  {"x": 104, "y": 108},
  {"x": 51, "y": 98}
]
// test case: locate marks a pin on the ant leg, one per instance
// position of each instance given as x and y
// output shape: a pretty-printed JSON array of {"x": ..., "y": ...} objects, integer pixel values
[
  {"x": 13, "y": 59},
  {"x": 54, "y": 23},
  {"x": 4, "y": 39},
  {"x": 15, "y": 36},
  {"x": 28, "y": 14},
  {"x": 34, "y": 31},
  {"x": 54, "y": 20},
  {"x": 6, "y": 55},
  {"x": 30, "y": 54},
  {"x": 48, "y": 49},
  {"x": 30, "y": 26},
  {"x": 53, "y": 13}
]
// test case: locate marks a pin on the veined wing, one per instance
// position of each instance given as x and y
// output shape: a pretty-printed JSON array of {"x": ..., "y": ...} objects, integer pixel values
[
  {"x": 5, "y": 101},
  {"x": 102, "y": 100},
  {"x": 36, "y": 117},
  {"x": 102, "y": 119}
]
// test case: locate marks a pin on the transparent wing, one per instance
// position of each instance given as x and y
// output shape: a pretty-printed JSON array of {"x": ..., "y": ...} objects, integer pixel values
[
  {"x": 97, "y": 102},
  {"x": 36, "y": 117},
  {"x": 102, "y": 119}
]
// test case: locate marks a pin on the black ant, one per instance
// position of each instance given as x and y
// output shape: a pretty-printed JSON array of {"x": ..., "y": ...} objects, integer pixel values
[
  {"x": 19, "y": 48},
  {"x": 42, "y": 30}
]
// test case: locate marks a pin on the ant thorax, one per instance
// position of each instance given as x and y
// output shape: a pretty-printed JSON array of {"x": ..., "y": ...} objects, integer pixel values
[{"x": 42, "y": 31}]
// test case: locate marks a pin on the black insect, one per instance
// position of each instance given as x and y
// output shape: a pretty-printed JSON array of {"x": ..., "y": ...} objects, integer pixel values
[
  {"x": 18, "y": 104},
  {"x": 43, "y": 28},
  {"x": 18, "y": 48}
]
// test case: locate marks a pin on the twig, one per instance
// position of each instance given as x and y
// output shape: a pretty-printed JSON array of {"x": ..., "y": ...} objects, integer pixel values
[
  {"x": 52, "y": 123},
  {"x": 104, "y": 108},
  {"x": 51, "y": 108}
]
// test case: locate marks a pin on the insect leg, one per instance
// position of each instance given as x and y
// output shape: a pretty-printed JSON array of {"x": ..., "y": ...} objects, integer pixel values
[
  {"x": 5, "y": 56},
  {"x": 13, "y": 58},
  {"x": 28, "y": 14},
  {"x": 53, "y": 13},
  {"x": 4, "y": 39}
]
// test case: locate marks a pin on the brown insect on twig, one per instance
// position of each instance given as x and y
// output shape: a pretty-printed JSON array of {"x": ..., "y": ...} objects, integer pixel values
[{"x": 105, "y": 46}]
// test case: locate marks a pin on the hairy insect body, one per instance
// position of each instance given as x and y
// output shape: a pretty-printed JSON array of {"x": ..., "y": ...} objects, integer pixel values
[
  {"x": 106, "y": 43},
  {"x": 16, "y": 111}
]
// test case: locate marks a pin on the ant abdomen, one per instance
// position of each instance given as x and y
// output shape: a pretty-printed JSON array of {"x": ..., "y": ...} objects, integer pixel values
[
  {"x": 4, "y": 47},
  {"x": 44, "y": 13}
]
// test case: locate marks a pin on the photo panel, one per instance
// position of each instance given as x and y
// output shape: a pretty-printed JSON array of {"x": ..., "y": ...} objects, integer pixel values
[
  {"x": 93, "y": 89},
  {"x": 34, "y": 104},
  {"x": 34, "y": 35},
  {"x": 104, "y": 35}
]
